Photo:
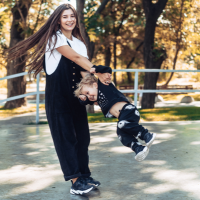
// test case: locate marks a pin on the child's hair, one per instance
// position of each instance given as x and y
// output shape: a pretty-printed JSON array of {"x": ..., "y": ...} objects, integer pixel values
[{"x": 87, "y": 80}]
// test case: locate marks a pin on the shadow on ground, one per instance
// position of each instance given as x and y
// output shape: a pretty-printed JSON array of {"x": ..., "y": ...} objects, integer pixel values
[{"x": 29, "y": 167}]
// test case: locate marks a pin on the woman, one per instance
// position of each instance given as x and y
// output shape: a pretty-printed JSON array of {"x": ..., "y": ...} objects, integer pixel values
[{"x": 60, "y": 49}]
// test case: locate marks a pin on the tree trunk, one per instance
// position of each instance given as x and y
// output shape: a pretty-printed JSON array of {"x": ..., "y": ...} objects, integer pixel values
[
  {"x": 115, "y": 60},
  {"x": 17, "y": 86},
  {"x": 108, "y": 56},
  {"x": 174, "y": 67},
  {"x": 150, "y": 80},
  {"x": 131, "y": 61},
  {"x": 152, "y": 12},
  {"x": 90, "y": 108},
  {"x": 90, "y": 45},
  {"x": 129, "y": 73}
]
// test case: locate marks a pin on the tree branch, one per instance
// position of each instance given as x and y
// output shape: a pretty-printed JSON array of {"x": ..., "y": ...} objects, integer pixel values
[
  {"x": 137, "y": 49},
  {"x": 20, "y": 12},
  {"x": 36, "y": 23},
  {"x": 146, "y": 5},
  {"x": 101, "y": 7},
  {"x": 160, "y": 5},
  {"x": 178, "y": 40},
  {"x": 123, "y": 16}
]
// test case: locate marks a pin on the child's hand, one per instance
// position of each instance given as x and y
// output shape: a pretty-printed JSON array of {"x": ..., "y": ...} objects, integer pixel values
[
  {"x": 92, "y": 70},
  {"x": 82, "y": 97}
]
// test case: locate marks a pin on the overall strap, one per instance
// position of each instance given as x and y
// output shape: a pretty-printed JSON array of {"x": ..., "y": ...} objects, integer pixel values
[{"x": 69, "y": 43}]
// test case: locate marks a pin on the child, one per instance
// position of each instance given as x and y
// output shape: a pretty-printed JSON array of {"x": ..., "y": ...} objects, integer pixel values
[{"x": 114, "y": 104}]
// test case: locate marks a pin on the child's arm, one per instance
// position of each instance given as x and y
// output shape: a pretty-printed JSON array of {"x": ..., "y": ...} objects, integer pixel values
[
  {"x": 84, "y": 100},
  {"x": 100, "y": 69}
]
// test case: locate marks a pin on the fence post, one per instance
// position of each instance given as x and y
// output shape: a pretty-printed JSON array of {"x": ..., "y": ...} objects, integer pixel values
[
  {"x": 136, "y": 88},
  {"x": 38, "y": 98}
]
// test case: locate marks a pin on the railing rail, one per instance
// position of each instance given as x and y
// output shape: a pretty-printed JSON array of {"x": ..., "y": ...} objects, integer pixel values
[
  {"x": 37, "y": 93},
  {"x": 135, "y": 91}
]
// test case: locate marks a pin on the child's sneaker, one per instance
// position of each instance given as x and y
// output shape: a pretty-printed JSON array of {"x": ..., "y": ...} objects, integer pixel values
[
  {"x": 140, "y": 151},
  {"x": 89, "y": 180},
  {"x": 149, "y": 139},
  {"x": 80, "y": 187}
]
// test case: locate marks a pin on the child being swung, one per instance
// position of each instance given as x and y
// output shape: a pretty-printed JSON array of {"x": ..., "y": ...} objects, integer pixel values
[{"x": 114, "y": 104}]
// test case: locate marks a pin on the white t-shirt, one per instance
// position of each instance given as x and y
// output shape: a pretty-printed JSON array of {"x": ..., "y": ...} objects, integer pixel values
[{"x": 53, "y": 60}]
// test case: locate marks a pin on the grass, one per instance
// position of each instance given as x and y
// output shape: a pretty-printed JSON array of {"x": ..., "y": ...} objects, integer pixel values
[
  {"x": 98, "y": 118},
  {"x": 171, "y": 114},
  {"x": 18, "y": 111},
  {"x": 156, "y": 114}
]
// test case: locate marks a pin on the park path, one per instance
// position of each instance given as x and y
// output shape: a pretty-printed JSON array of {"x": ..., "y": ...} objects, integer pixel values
[{"x": 29, "y": 167}]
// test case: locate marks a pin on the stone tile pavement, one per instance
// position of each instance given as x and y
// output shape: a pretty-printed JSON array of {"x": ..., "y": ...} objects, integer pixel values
[{"x": 29, "y": 167}]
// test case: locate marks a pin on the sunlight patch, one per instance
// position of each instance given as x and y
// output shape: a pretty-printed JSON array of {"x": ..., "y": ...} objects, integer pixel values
[
  {"x": 32, "y": 153},
  {"x": 195, "y": 143},
  {"x": 155, "y": 162},
  {"x": 121, "y": 150},
  {"x": 101, "y": 139},
  {"x": 165, "y": 136}
]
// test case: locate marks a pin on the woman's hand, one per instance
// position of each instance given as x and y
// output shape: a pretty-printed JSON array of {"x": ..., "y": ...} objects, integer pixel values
[
  {"x": 92, "y": 70},
  {"x": 105, "y": 78}
]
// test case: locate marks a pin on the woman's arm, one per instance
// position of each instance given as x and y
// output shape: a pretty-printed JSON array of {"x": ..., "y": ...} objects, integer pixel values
[{"x": 69, "y": 53}]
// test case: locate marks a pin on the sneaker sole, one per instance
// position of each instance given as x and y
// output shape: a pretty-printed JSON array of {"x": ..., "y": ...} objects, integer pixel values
[
  {"x": 97, "y": 185},
  {"x": 151, "y": 141},
  {"x": 72, "y": 191},
  {"x": 142, "y": 155}
]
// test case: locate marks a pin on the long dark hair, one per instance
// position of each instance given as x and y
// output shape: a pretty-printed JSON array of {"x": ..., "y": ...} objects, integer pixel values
[{"x": 38, "y": 41}]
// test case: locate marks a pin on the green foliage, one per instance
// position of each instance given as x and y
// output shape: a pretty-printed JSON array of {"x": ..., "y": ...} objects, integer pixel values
[
  {"x": 176, "y": 29},
  {"x": 37, "y": 15},
  {"x": 158, "y": 50},
  {"x": 117, "y": 23}
]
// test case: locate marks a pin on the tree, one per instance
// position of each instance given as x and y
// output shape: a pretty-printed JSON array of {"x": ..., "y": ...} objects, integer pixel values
[
  {"x": 80, "y": 10},
  {"x": 90, "y": 45},
  {"x": 176, "y": 30},
  {"x": 23, "y": 24},
  {"x": 178, "y": 35},
  {"x": 17, "y": 86},
  {"x": 117, "y": 32},
  {"x": 153, "y": 55}
]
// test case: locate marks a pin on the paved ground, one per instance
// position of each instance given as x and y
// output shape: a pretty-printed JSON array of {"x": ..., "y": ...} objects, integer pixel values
[{"x": 29, "y": 167}]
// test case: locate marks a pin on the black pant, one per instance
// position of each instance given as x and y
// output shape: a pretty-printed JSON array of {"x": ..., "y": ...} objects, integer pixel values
[
  {"x": 71, "y": 139},
  {"x": 128, "y": 128}
]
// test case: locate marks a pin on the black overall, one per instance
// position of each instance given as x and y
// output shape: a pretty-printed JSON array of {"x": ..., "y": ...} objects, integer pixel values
[{"x": 67, "y": 119}]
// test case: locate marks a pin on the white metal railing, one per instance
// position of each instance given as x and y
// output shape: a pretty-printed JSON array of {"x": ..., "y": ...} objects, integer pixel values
[
  {"x": 37, "y": 93},
  {"x": 135, "y": 91}
]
